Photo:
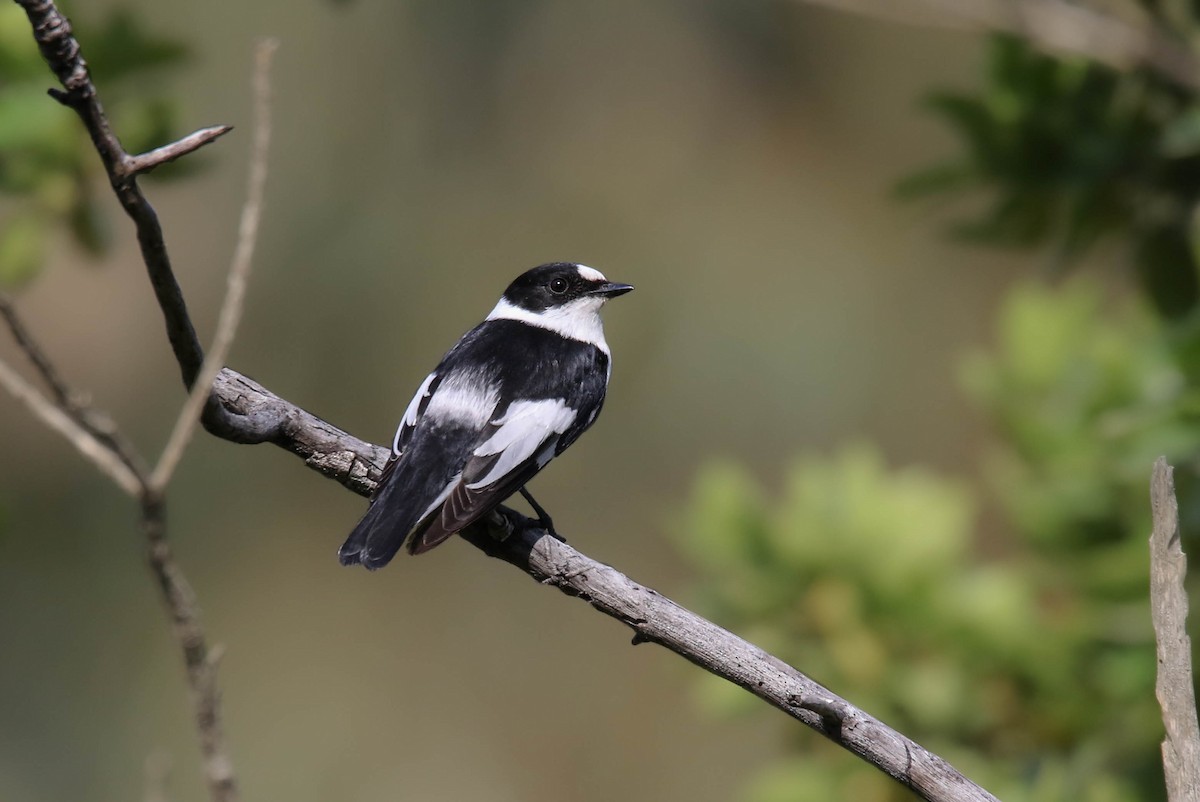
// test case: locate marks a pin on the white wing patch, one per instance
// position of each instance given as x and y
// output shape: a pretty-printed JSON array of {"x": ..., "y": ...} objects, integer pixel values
[
  {"x": 464, "y": 397},
  {"x": 528, "y": 428},
  {"x": 410, "y": 415}
]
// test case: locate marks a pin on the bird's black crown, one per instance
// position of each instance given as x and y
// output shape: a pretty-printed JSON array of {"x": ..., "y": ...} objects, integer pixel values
[{"x": 557, "y": 284}]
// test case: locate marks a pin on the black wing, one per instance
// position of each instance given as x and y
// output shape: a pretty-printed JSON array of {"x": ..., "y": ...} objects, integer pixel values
[{"x": 521, "y": 441}]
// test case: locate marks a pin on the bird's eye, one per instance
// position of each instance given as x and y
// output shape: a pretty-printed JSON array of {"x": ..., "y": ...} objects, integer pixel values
[{"x": 559, "y": 285}]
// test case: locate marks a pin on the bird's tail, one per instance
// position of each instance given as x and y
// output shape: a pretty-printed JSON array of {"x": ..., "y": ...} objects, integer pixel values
[
  {"x": 351, "y": 551},
  {"x": 378, "y": 536}
]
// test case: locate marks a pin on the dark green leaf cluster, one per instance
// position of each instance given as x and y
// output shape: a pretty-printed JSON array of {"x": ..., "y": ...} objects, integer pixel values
[
  {"x": 49, "y": 173},
  {"x": 1033, "y": 669},
  {"x": 1072, "y": 152}
]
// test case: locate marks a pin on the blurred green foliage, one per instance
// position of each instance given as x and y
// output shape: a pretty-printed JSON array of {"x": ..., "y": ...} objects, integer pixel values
[
  {"x": 49, "y": 174},
  {"x": 1033, "y": 671},
  {"x": 1073, "y": 153}
]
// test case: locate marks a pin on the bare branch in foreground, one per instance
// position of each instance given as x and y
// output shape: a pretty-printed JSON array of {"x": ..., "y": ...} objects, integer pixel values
[
  {"x": 1057, "y": 26},
  {"x": 243, "y": 257},
  {"x": 1169, "y": 608}
]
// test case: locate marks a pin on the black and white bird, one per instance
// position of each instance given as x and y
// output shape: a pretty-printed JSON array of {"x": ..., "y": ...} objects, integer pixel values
[{"x": 514, "y": 393}]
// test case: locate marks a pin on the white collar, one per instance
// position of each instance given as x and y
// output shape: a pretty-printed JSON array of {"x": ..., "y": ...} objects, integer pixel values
[{"x": 578, "y": 320}]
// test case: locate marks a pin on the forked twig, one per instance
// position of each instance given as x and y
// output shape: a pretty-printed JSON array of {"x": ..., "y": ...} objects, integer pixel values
[{"x": 100, "y": 455}]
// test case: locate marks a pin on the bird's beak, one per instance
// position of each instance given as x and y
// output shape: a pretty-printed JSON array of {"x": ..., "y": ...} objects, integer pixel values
[{"x": 610, "y": 290}]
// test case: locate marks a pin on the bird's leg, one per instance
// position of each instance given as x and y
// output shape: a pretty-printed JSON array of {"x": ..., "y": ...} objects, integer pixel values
[{"x": 543, "y": 516}]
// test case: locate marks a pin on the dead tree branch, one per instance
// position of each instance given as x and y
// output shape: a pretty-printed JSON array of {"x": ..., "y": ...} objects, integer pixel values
[
  {"x": 242, "y": 411},
  {"x": 1169, "y": 608}
]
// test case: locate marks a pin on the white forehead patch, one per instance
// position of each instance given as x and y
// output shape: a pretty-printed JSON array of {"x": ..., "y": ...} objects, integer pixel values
[{"x": 590, "y": 273}]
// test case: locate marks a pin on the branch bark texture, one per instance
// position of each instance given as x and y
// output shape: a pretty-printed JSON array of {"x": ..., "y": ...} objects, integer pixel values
[
  {"x": 1169, "y": 608},
  {"x": 242, "y": 411}
]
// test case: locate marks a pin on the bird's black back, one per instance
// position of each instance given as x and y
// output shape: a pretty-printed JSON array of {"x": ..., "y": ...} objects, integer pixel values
[{"x": 517, "y": 361}]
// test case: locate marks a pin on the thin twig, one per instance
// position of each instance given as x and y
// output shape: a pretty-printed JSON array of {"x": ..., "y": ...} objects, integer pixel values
[
  {"x": 90, "y": 419},
  {"x": 35, "y": 354},
  {"x": 239, "y": 270},
  {"x": 145, "y": 162},
  {"x": 1169, "y": 608},
  {"x": 86, "y": 444},
  {"x": 198, "y": 659}
]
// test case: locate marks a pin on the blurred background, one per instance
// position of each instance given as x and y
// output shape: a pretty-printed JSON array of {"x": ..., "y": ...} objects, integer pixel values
[{"x": 915, "y": 311}]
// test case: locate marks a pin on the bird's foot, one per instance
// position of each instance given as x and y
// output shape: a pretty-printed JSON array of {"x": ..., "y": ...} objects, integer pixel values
[{"x": 544, "y": 519}]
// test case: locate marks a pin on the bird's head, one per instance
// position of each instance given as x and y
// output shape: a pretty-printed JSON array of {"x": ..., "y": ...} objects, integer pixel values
[{"x": 562, "y": 287}]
